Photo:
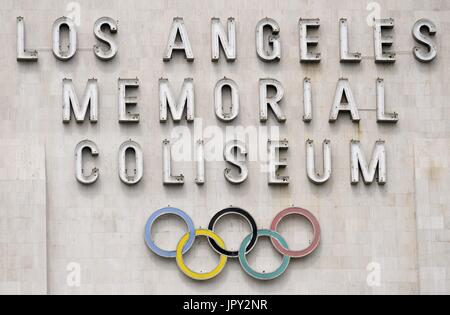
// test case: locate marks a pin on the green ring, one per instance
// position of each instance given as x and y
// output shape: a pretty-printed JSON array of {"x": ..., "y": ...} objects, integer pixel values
[{"x": 263, "y": 276}]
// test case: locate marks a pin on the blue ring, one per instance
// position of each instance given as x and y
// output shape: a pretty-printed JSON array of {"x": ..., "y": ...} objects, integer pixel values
[{"x": 148, "y": 232}]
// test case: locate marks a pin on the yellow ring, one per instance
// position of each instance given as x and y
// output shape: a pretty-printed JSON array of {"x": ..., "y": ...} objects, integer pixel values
[{"x": 200, "y": 276}]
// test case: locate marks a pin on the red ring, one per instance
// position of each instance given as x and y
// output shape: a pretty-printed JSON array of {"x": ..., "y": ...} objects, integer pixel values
[{"x": 316, "y": 227}]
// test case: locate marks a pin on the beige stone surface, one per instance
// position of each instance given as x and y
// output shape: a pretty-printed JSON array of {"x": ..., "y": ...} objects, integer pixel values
[
  {"x": 432, "y": 178},
  {"x": 49, "y": 221},
  {"x": 23, "y": 241}
]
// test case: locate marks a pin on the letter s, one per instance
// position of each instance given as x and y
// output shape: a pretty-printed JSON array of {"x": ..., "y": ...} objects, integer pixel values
[{"x": 429, "y": 53}]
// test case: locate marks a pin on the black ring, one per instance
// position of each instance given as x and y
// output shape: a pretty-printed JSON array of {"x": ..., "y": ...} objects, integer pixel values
[{"x": 241, "y": 213}]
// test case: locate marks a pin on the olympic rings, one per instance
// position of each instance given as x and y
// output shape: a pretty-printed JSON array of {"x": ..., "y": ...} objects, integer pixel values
[
  {"x": 241, "y": 213},
  {"x": 155, "y": 216},
  {"x": 263, "y": 276},
  {"x": 282, "y": 249},
  {"x": 201, "y": 276},
  {"x": 249, "y": 242}
]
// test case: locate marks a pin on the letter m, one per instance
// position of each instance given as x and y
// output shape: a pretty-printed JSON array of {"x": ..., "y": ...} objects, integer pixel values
[
  {"x": 71, "y": 102},
  {"x": 368, "y": 171},
  {"x": 186, "y": 99}
]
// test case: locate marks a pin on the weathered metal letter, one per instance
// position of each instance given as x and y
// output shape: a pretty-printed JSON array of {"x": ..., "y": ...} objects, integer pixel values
[
  {"x": 218, "y": 100},
  {"x": 344, "y": 101},
  {"x": 124, "y": 101},
  {"x": 429, "y": 53},
  {"x": 276, "y": 163},
  {"x": 22, "y": 53},
  {"x": 168, "y": 178},
  {"x": 307, "y": 101},
  {"x": 220, "y": 38},
  {"x": 235, "y": 153},
  {"x": 382, "y": 41},
  {"x": 111, "y": 52},
  {"x": 59, "y": 52},
  {"x": 308, "y": 41},
  {"x": 270, "y": 51},
  {"x": 265, "y": 101},
  {"x": 378, "y": 163},
  {"x": 71, "y": 102},
  {"x": 138, "y": 172},
  {"x": 200, "y": 157},
  {"x": 314, "y": 176},
  {"x": 186, "y": 100},
  {"x": 346, "y": 55},
  {"x": 178, "y": 28},
  {"x": 79, "y": 166},
  {"x": 382, "y": 115}
]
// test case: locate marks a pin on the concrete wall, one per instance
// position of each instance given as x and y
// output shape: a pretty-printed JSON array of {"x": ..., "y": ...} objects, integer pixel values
[
  {"x": 23, "y": 233},
  {"x": 432, "y": 178},
  {"x": 402, "y": 226}
]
